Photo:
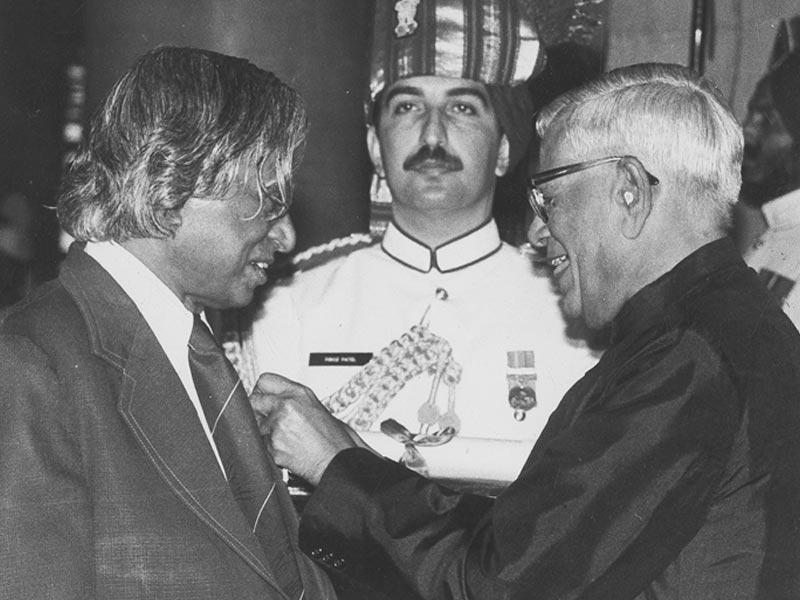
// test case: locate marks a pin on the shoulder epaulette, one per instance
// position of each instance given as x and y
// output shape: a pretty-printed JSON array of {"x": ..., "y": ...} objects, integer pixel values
[{"x": 321, "y": 254}]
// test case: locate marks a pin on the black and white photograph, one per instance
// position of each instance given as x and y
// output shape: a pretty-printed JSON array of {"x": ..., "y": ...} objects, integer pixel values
[{"x": 399, "y": 299}]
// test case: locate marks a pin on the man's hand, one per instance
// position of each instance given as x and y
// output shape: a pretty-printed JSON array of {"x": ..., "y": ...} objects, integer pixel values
[{"x": 301, "y": 434}]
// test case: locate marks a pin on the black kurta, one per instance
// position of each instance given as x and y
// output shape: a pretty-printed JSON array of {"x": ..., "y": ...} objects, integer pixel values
[{"x": 671, "y": 470}]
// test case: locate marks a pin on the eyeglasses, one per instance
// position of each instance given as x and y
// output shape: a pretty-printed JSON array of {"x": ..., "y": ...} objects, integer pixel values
[
  {"x": 272, "y": 201},
  {"x": 540, "y": 204}
]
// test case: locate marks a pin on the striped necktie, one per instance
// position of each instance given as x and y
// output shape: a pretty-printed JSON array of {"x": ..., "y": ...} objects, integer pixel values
[{"x": 254, "y": 478}]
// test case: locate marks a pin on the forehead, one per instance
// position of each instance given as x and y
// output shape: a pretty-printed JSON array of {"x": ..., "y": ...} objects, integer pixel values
[
  {"x": 555, "y": 153},
  {"x": 432, "y": 87}
]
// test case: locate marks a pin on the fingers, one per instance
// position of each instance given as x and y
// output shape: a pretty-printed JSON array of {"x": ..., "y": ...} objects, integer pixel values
[
  {"x": 283, "y": 406},
  {"x": 272, "y": 412},
  {"x": 272, "y": 389},
  {"x": 299, "y": 432},
  {"x": 272, "y": 383},
  {"x": 270, "y": 392}
]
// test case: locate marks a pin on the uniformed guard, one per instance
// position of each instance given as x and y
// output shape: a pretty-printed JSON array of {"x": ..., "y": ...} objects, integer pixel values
[{"x": 438, "y": 339}]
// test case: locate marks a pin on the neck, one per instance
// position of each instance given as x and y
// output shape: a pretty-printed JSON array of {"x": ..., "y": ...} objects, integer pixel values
[
  {"x": 152, "y": 253},
  {"x": 434, "y": 228}
]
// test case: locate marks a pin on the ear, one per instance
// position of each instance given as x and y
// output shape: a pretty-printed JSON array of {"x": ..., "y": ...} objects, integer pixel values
[
  {"x": 503, "y": 153},
  {"x": 374, "y": 149},
  {"x": 633, "y": 195}
]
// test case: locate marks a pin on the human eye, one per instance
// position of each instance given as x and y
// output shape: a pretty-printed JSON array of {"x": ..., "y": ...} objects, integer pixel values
[
  {"x": 461, "y": 107},
  {"x": 547, "y": 199},
  {"x": 274, "y": 206},
  {"x": 403, "y": 106},
  {"x": 271, "y": 203}
]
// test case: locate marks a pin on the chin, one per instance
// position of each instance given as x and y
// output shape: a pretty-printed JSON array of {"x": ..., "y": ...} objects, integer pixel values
[
  {"x": 570, "y": 308},
  {"x": 240, "y": 301},
  {"x": 235, "y": 299}
]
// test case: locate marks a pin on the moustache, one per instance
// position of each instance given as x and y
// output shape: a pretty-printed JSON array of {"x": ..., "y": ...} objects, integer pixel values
[{"x": 433, "y": 158}]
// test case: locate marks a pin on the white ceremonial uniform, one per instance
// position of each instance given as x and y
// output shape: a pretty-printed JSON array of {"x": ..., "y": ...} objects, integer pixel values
[
  {"x": 776, "y": 254},
  {"x": 476, "y": 295}
]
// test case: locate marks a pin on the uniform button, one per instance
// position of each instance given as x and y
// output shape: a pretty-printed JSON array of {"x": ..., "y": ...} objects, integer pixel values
[
  {"x": 441, "y": 294},
  {"x": 338, "y": 563}
]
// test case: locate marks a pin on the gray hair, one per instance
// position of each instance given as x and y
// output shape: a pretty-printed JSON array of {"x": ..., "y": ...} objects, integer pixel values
[
  {"x": 673, "y": 120},
  {"x": 178, "y": 124}
]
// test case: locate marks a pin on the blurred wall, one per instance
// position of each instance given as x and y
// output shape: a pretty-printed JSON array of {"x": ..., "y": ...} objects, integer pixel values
[
  {"x": 655, "y": 30},
  {"x": 38, "y": 39},
  {"x": 317, "y": 46}
]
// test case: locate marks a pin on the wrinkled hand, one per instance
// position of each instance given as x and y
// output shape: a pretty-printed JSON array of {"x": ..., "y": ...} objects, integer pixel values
[{"x": 301, "y": 434}]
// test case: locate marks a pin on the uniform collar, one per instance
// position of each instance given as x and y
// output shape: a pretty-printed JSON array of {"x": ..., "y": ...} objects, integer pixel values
[{"x": 462, "y": 251}]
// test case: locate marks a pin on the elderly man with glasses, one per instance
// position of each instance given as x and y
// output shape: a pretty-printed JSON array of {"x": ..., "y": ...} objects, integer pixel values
[{"x": 672, "y": 469}]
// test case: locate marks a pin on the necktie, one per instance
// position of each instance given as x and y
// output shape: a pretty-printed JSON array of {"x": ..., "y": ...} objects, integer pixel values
[{"x": 252, "y": 475}]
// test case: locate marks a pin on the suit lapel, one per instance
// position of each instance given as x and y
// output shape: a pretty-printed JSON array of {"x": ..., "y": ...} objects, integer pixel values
[
  {"x": 154, "y": 404},
  {"x": 262, "y": 493}
]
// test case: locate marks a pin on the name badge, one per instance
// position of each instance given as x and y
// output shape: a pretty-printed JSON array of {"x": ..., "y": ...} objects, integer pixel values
[{"x": 338, "y": 359}]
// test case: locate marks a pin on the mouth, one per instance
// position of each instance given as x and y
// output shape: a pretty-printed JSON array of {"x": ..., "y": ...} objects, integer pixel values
[
  {"x": 558, "y": 263},
  {"x": 259, "y": 267}
]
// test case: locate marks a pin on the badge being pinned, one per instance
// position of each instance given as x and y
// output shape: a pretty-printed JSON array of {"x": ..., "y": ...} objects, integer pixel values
[{"x": 406, "y": 13}]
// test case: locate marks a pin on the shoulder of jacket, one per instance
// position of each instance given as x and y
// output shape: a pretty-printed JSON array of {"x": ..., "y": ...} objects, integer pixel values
[
  {"x": 335, "y": 248},
  {"x": 49, "y": 307}
]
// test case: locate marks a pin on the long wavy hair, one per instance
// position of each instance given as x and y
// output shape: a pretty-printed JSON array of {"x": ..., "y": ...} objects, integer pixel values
[{"x": 178, "y": 124}]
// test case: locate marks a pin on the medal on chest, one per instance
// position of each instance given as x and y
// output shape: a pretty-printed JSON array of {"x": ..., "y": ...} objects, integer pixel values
[{"x": 521, "y": 380}]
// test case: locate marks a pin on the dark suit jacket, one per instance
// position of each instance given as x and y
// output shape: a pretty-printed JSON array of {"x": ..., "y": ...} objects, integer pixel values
[
  {"x": 108, "y": 485},
  {"x": 670, "y": 471}
]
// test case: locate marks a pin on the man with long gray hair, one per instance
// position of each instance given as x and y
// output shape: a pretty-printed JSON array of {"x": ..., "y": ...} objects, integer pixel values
[
  {"x": 131, "y": 465},
  {"x": 672, "y": 469}
]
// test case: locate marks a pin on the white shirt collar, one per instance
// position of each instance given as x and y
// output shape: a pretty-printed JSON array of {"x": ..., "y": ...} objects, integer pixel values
[
  {"x": 463, "y": 251},
  {"x": 783, "y": 212},
  {"x": 169, "y": 319}
]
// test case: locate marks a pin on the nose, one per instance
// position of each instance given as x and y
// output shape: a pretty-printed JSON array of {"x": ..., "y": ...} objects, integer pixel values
[
  {"x": 283, "y": 235},
  {"x": 434, "y": 131}
]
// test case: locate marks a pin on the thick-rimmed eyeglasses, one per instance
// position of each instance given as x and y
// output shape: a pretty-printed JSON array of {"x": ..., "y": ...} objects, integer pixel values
[{"x": 540, "y": 203}]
